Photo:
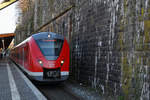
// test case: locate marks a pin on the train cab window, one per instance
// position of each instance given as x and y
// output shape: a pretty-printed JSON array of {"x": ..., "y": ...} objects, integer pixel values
[{"x": 50, "y": 48}]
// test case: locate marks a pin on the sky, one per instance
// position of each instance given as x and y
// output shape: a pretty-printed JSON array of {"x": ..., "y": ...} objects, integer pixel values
[{"x": 8, "y": 19}]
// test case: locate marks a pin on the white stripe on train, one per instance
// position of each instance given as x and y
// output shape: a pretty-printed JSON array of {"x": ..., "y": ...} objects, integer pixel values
[{"x": 63, "y": 73}]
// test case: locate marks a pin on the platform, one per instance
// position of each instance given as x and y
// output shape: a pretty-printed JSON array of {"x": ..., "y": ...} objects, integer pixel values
[{"x": 14, "y": 85}]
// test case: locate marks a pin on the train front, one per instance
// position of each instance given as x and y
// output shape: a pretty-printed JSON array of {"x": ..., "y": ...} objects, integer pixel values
[{"x": 52, "y": 58}]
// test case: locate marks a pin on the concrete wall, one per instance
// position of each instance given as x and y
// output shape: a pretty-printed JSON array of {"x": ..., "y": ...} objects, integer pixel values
[{"x": 109, "y": 41}]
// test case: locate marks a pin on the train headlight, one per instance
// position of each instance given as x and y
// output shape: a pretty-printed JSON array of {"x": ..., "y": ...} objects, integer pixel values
[
  {"x": 40, "y": 62},
  {"x": 62, "y": 62},
  {"x": 49, "y": 35}
]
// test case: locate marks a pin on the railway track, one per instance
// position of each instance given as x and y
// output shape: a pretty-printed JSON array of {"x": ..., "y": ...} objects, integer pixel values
[{"x": 57, "y": 92}]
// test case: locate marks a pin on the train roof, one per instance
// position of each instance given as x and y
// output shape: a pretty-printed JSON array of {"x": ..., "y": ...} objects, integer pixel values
[{"x": 42, "y": 35}]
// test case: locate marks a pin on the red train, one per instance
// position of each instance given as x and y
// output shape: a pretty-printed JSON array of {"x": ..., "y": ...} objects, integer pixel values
[{"x": 43, "y": 57}]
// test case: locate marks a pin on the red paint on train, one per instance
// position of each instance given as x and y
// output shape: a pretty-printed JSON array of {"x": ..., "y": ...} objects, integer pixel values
[{"x": 31, "y": 59}]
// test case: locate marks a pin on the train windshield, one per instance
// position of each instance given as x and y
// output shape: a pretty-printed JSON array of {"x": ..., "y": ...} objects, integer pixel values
[{"x": 50, "y": 48}]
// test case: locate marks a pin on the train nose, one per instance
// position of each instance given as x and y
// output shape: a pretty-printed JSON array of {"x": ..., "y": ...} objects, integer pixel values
[{"x": 51, "y": 64}]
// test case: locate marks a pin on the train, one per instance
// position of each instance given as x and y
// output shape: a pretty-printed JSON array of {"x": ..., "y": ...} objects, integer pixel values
[{"x": 43, "y": 57}]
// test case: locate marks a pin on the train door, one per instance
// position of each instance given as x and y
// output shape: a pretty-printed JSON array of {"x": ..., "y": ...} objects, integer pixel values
[
  {"x": 26, "y": 56},
  {"x": 23, "y": 57}
]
